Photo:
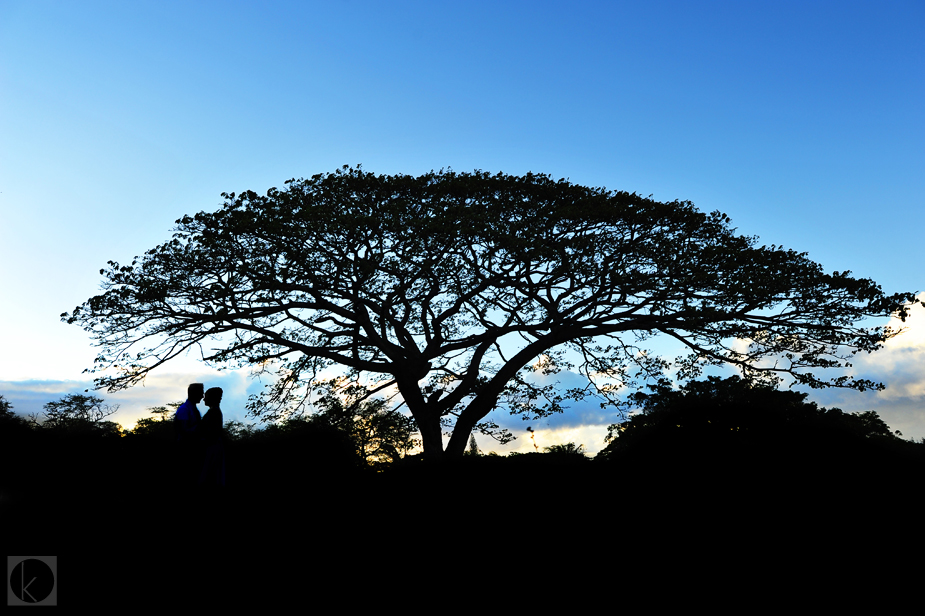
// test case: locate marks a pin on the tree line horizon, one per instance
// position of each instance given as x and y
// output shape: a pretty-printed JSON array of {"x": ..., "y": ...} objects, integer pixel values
[{"x": 721, "y": 410}]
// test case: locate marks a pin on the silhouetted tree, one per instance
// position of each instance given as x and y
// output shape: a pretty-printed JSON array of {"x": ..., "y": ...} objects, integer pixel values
[
  {"x": 473, "y": 449},
  {"x": 6, "y": 411},
  {"x": 237, "y": 430},
  {"x": 414, "y": 282},
  {"x": 11, "y": 424},
  {"x": 77, "y": 413},
  {"x": 711, "y": 417},
  {"x": 568, "y": 449},
  {"x": 160, "y": 426},
  {"x": 382, "y": 434}
]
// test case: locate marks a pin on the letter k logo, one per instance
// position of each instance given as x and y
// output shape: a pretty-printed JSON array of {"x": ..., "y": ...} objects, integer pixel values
[
  {"x": 32, "y": 581},
  {"x": 24, "y": 588}
]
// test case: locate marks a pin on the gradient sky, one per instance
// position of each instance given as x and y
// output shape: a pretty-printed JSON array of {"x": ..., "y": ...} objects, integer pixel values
[{"x": 803, "y": 121}]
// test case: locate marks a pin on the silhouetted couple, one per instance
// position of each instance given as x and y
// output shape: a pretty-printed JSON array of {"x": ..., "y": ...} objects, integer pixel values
[{"x": 200, "y": 439}]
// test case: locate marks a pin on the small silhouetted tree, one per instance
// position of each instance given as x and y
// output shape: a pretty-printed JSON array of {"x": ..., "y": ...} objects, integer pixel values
[
  {"x": 12, "y": 426},
  {"x": 80, "y": 414},
  {"x": 238, "y": 430},
  {"x": 7, "y": 416},
  {"x": 473, "y": 449},
  {"x": 381, "y": 433},
  {"x": 160, "y": 426},
  {"x": 567, "y": 449}
]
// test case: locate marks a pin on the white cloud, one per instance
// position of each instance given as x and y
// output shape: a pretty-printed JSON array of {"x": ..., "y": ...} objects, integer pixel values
[
  {"x": 900, "y": 366},
  {"x": 590, "y": 435}
]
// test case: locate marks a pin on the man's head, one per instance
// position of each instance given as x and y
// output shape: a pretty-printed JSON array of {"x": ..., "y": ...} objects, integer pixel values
[
  {"x": 194, "y": 392},
  {"x": 213, "y": 396}
]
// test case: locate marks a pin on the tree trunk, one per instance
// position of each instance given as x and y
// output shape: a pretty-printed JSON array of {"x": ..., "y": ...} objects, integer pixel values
[
  {"x": 431, "y": 435},
  {"x": 465, "y": 423},
  {"x": 457, "y": 445}
]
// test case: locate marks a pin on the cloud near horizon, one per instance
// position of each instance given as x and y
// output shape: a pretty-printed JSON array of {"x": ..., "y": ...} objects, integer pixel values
[{"x": 900, "y": 366}]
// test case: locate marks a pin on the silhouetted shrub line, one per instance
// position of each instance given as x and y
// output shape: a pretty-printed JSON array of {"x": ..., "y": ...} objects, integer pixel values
[{"x": 678, "y": 453}]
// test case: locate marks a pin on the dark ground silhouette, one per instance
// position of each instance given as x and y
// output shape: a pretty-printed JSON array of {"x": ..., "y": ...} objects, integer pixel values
[{"x": 302, "y": 500}]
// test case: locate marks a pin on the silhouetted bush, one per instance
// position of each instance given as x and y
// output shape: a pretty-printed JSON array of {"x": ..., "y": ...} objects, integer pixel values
[{"x": 723, "y": 434}]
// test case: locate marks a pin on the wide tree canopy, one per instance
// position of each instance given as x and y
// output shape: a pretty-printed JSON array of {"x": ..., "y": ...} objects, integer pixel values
[{"x": 451, "y": 288}]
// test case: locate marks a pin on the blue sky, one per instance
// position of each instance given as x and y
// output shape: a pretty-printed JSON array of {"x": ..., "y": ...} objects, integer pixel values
[{"x": 803, "y": 121}]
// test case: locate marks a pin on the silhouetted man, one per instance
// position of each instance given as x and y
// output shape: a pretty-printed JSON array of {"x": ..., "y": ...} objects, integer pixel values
[
  {"x": 186, "y": 421},
  {"x": 187, "y": 416}
]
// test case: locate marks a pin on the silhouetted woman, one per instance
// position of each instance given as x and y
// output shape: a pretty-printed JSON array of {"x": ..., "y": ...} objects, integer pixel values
[{"x": 211, "y": 431}]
